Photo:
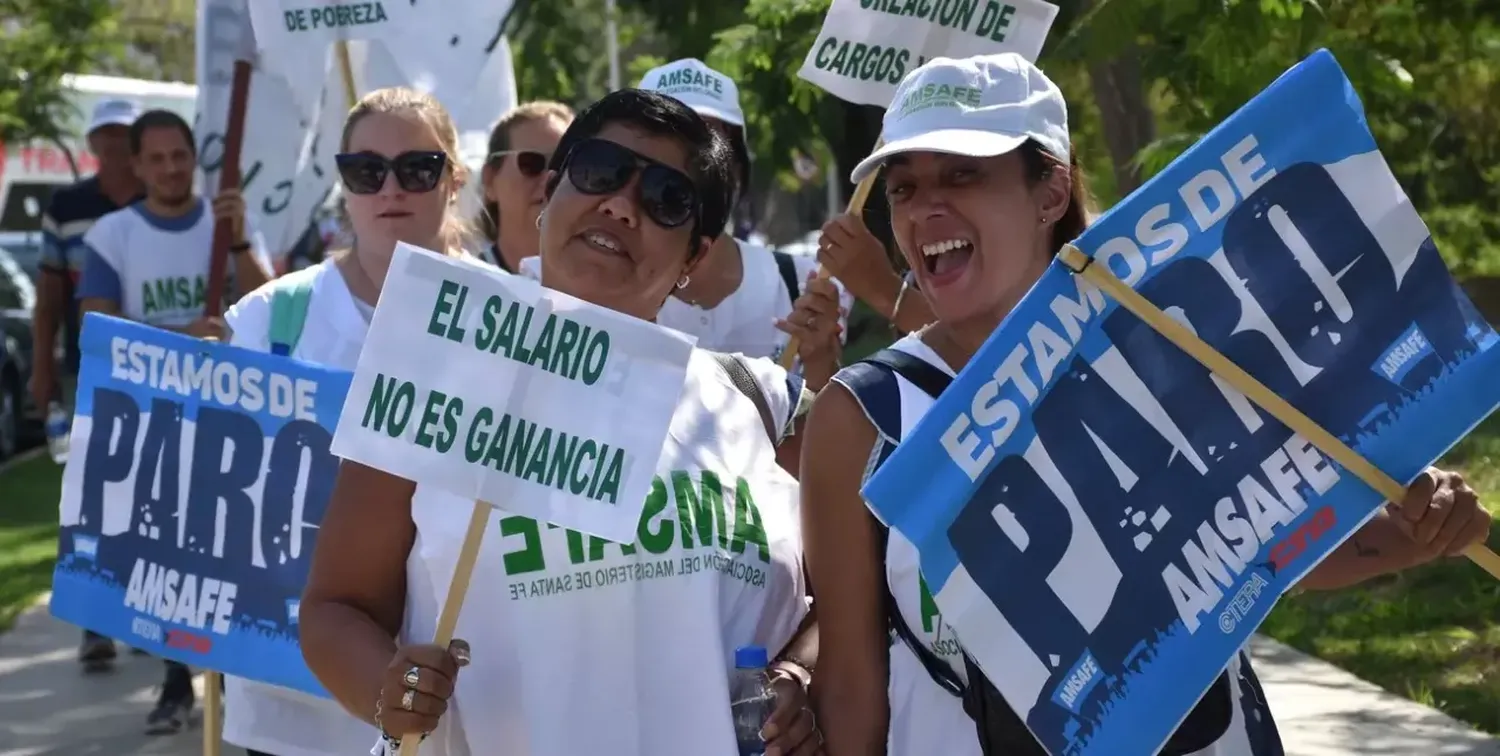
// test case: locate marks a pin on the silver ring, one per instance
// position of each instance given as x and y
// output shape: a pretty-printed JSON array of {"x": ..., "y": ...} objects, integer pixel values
[
  {"x": 413, "y": 677},
  {"x": 408, "y": 698}
]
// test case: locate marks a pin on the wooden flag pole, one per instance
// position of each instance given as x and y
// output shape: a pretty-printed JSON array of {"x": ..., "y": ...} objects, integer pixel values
[
  {"x": 229, "y": 180},
  {"x": 213, "y": 713},
  {"x": 458, "y": 588},
  {"x": 856, "y": 206},
  {"x": 346, "y": 72},
  {"x": 1254, "y": 390}
]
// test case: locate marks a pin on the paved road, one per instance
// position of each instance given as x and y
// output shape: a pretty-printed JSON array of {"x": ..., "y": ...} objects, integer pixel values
[{"x": 48, "y": 708}]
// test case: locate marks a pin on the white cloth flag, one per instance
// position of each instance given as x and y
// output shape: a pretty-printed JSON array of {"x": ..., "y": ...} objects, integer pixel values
[
  {"x": 442, "y": 44},
  {"x": 284, "y": 174}
]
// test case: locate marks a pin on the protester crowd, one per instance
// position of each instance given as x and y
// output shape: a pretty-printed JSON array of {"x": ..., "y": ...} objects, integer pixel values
[{"x": 628, "y": 205}]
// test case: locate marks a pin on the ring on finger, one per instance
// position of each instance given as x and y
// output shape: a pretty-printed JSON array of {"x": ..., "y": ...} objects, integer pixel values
[
  {"x": 408, "y": 699},
  {"x": 413, "y": 677}
]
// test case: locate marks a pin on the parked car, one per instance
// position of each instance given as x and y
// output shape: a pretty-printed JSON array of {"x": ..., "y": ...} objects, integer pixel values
[
  {"x": 25, "y": 249},
  {"x": 20, "y": 419}
]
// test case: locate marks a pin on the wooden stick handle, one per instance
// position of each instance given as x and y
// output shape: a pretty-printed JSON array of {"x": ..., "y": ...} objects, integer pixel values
[
  {"x": 1254, "y": 390},
  {"x": 213, "y": 713},
  {"x": 346, "y": 72},
  {"x": 447, "y": 622},
  {"x": 856, "y": 206}
]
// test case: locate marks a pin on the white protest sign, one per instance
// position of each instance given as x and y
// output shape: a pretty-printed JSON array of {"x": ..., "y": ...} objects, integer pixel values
[
  {"x": 286, "y": 160},
  {"x": 496, "y": 389},
  {"x": 441, "y": 43},
  {"x": 867, "y": 46}
]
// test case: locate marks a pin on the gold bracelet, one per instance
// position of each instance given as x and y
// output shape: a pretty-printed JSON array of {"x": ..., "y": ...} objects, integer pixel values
[{"x": 900, "y": 294}]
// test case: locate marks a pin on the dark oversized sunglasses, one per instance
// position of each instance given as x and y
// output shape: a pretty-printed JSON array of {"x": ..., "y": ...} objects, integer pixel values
[
  {"x": 418, "y": 171},
  {"x": 531, "y": 163},
  {"x": 599, "y": 166}
]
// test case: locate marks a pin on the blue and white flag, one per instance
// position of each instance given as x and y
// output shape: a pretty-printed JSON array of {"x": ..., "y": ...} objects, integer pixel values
[
  {"x": 1102, "y": 521},
  {"x": 198, "y": 476}
]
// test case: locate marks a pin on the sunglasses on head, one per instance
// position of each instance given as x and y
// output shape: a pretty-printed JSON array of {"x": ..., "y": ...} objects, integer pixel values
[
  {"x": 530, "y": 162},
  {"x": 418, "y": 171},
  {"x": 599, "y": 166}
]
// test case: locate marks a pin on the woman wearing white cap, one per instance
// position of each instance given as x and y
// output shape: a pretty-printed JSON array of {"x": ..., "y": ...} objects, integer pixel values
[
  {"x": 746, "y": 298},
  {"x": 984, "y": 190}
]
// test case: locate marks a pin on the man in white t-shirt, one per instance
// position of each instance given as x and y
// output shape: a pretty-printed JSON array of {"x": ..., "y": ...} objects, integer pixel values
[
  {"x": 149, "y": 262},
  {"x": 737, "y": 293}
]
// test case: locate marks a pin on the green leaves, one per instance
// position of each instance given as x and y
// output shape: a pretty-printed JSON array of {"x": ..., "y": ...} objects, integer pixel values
[{"x": 40, "y": 42}]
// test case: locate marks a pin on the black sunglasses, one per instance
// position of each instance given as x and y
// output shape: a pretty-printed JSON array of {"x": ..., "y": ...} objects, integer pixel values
[
  {"x": 531, "y": 163},
  {"x": 599, "y": 166},
  {"x": 418, "y": 171}
]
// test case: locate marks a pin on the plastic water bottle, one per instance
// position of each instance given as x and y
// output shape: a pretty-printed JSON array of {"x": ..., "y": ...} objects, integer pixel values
[
  {"x": 751, "y": 698},
  {"x": 59, "y": 425}
]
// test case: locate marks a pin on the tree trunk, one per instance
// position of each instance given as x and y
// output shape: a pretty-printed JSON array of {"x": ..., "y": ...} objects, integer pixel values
[{"x": 1129, "y": 125}]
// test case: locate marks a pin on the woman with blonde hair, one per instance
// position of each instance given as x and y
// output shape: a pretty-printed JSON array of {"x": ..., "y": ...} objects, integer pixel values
[
  {"x": 398, "y": 162},
  {"x": 515, "y": 167}
]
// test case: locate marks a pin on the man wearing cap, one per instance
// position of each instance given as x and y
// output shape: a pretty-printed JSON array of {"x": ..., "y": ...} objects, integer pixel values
[
  {"x": 736, "y": 296},
  {"x": 70, "y": 213}
]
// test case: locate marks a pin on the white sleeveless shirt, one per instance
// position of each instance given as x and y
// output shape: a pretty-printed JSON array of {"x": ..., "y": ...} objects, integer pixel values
[
  {"x": 581, "y": 646},
  {"x": 927, "y": 719}
]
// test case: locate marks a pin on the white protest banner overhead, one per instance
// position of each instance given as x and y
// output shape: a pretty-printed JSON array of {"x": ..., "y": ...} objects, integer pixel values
[
  {"x": 286, "y": 159},
  {"x": 498, "y": 390},
  {"x": 867, "y": 46},
  {"x": 439, "y": 43},
  {"x": 1102, "y": 520}
]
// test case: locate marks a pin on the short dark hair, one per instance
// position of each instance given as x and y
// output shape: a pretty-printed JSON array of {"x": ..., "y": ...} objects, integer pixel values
[
  {"x": 159, "y": 119},
  {"x": 710, "y": 159}
]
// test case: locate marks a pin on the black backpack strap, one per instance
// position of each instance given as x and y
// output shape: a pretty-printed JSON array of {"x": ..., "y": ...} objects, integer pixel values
[
  {"x": 924, "y": 375},
  {"x": 871, "y": 381},
  {"x": 788, "y": 268},
  {"x": 740, "y": 376}
]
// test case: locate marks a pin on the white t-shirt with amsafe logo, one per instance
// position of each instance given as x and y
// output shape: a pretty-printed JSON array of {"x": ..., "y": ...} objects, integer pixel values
[{"x": 582, "y": 646}]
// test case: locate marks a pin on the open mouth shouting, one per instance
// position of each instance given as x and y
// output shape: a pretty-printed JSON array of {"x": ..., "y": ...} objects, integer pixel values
[{"x": 946, "y": 260}]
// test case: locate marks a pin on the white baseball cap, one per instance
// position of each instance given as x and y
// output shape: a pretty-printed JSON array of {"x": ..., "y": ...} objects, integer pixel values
[
  {"x": 708, "y": 92},
  {"x": 982, "y": 106},
  {"x": 113, "y": 113}
]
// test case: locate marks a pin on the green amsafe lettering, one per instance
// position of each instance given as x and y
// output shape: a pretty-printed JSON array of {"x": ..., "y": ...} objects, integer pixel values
[
  {"x": 390, "y": 405},
  {"x": 747, "y": 524},
  {"x": 529, "y": 558},
  {"x": 700, "y": 508},
  {"x": 657, "y": 541}
]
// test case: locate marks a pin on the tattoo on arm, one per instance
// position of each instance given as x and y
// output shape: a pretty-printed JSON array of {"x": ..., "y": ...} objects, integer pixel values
[{"x": 1362, "y": 550}]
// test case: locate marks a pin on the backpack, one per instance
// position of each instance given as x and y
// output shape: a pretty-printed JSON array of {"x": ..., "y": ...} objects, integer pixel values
[
  {"x": 290, "y": 296},
  {"x": 1001, "y": 731},
  {"x": 739, "y": 375}
]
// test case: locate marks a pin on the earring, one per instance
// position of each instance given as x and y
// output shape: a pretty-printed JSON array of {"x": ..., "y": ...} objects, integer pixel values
[
  {"x": 539, "y": 221},
  {"x": 1044, "y": 219},
  {"x": 684, "y": 281}
]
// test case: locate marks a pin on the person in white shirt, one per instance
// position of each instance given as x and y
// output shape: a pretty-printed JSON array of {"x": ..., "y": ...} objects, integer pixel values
[
  {"x": 399, "y": 166},
  {"x": 149, "y": 262},
  {"x": 639, "y": 189},
  {"x": 741, "y": 297},
  {"x": 520, "y": 147},
  {"x": 983, "y": 193}
]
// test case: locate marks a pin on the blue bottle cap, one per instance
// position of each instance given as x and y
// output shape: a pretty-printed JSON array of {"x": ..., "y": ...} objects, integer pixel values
[{"x": 750, "y": 657}]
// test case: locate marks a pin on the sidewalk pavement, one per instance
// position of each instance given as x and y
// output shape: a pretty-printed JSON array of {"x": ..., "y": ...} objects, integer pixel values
[{"x": 49, "y": 708}]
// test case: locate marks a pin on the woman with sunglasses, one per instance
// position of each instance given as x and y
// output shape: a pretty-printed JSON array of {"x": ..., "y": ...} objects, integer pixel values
[
  {"x": 573, "y": 645},
  {"x": 744, "y": 297},
  {"x": 520, "y": 146},
  {"x": 983, "y": 193},
  {"x": 400, "y": 173}
]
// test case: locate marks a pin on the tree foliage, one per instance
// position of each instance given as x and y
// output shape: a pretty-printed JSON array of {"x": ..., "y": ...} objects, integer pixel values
[{"x": 40, "y": 42}]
